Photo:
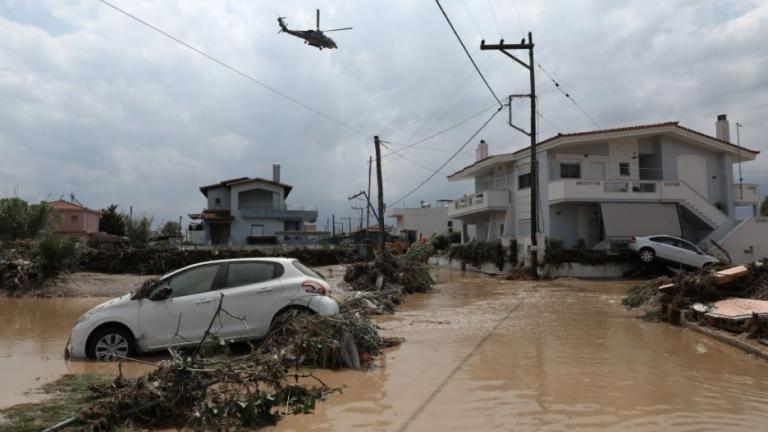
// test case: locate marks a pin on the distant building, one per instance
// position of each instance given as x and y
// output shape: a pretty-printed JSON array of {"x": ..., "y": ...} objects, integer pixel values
[
  {"x": 425, "y": 220},
  {"x": 75, "y": 220},
  {"x": 248, "y": 210}
]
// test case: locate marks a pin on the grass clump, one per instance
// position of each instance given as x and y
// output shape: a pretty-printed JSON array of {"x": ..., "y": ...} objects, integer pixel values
[{"x": 69, "y": 394}]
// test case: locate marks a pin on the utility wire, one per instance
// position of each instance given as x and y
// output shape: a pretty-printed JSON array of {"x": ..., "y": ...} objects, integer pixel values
[
  {"x": 517, "y": 14},
  {"x": 567, "y": 95},
  {"x": 233, "y": 69},
  {"x": 467, "y": 52},
  {"x": 418, "y": 164},
  {"x": 436, "y": 134},
  {"x": 448, "y": 160},
  {"x": 498, "y": 27},
  {"x": 472, "y": 17}
]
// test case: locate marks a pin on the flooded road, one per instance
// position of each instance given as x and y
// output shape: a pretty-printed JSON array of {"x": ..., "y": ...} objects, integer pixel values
[
  {"x": 489, "y": 355},
  {"x": 482, "y": 354},
  {"x": 33, "y": 335}
]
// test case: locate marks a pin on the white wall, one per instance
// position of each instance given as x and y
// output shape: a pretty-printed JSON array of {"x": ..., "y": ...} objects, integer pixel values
[
  {"x": 748, "y": 241},
  {"x": 425, "y": 221}
]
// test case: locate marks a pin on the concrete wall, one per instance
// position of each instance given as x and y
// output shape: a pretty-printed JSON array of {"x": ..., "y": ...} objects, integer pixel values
[
  {"x": 748, "y": 241},
  {"x": 426, "y": 221},
  {"x": 223, "y": 194},
  {"x": 716, "y": 180}
]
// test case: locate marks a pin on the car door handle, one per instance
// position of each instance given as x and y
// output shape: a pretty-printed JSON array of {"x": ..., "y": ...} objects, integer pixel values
[{"x": 203, "y": 301}]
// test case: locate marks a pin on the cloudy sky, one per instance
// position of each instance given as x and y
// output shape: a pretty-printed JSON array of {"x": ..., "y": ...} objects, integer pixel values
[{"x": 97, "y": 104}]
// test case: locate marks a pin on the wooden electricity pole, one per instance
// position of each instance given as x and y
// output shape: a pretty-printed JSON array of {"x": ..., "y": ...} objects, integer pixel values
[
  {"x": 367, "y": 211},
  {"x": 523, "y": 45},
  {"x": 381, "y": 192}
]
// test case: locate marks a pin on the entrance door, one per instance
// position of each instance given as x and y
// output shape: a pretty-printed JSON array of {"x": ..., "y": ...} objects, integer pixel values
[{"x": 692, "y": 169}]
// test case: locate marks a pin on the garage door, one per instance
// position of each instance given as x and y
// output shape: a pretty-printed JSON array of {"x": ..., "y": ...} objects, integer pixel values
[{"x": 624, "y": 220}]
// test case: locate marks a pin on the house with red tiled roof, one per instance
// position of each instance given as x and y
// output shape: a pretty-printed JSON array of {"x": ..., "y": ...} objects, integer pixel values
[
  {"x": 75, "y": 220},
  {"x": 602, "y": 187},
  {"x": 247, "y": 210}
]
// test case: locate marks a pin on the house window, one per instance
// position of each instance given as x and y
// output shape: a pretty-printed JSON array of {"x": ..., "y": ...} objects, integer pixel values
[
  {"x": 217, "y": 201},
  {"x": 450, "y": 227},
  {"x": 524, "y": 181},
  {"x": 624, "y": 168},
  {"x": 570, "y": 170},
  {"x": 75, "y": 218}
]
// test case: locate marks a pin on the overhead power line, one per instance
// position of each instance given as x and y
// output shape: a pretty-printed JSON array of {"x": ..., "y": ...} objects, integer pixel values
[
  {"x": 468, "y": 54},
  {"x": 436, "y": 134},
  {"x": 448, "y": 160},
  {"x": 567, "y": 95},
  {"x": 237, "y": 71}
]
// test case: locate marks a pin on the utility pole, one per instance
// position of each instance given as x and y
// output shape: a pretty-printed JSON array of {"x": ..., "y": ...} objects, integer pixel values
[
  {"x": 738, "y": 148},
  {"x": 501, "y": 46},
  {"x": 377, "y": 144},
  {"x": 349, "y": 224},
  {"x": 333, "y": 225},
  {"x": 368, "y": 197},
  {"x": 361, "y": 215}
]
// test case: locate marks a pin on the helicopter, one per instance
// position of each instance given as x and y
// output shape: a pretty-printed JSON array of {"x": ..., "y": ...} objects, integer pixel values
[{"x": 315, "y": 38}]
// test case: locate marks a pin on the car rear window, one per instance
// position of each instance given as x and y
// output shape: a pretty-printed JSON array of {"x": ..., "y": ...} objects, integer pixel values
[
  {"x": 307, "y": 271},
  {"x": 247, "y": 273}
]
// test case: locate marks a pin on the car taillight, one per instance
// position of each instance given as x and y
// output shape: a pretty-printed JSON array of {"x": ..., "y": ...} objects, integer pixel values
[{"x": 314, "y": 287}]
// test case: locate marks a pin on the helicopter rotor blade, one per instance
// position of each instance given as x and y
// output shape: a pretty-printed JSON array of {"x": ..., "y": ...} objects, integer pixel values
[
  {"x": 338, "y": 29},
  {"x": 318, "y": 19}
]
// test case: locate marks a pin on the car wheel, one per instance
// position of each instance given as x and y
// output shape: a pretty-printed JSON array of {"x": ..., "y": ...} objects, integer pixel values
[
  {"x": 288, "y": 315},
  {"x": 647, "y": 255},
  {"x": 110, "y": 343},
  {"x": 707, "y": 265}
]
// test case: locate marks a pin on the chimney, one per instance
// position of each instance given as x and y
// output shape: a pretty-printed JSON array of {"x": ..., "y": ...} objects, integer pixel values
[
  {"x": 276, "y": 172},
  {"x": 722, "y": 128},
  {"x": 482, "y": 150}
]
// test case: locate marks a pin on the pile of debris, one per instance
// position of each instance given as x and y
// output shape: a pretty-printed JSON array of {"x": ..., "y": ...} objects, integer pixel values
[
  {"x": 209, "y": 390},
  {"x": 733, "y": 299},
  {"x": 380, "y": 284},
  {"x": 19, "y": 271}
]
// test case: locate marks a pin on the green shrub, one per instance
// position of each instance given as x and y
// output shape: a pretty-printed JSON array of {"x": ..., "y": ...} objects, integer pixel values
[
  {"x": 138, "y": 231},
  {"x": 454, "y": 237},
  {"x": 440, "y": 242},
  {"x": 478, "y": 253},
  {"x": 19, "y": 220},
  {"x": 56, "y": 254}
]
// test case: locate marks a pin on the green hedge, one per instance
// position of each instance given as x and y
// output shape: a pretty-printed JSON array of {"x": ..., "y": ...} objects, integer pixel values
[{"x": 478, "y": 253}]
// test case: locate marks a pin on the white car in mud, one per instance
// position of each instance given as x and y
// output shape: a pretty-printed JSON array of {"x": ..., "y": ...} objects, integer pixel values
[
  {"x": 177, "y": 309},
  {"x": 672, "y": 250}
]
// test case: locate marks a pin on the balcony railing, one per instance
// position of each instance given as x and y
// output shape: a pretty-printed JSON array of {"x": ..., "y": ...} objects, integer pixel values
[
  {"x": 746, "y": 193},
  {"x": 478, "y": 202},
  {"x": 281, "y": 211}
]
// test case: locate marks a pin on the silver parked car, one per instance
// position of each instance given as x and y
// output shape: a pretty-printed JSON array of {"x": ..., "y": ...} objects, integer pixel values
[
  {"x": 671, "y": 250},
  {"x": 178, "y": 308}
]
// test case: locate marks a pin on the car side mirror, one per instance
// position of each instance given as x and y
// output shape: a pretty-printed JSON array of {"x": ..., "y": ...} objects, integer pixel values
[{"x": 162, "y": 293}]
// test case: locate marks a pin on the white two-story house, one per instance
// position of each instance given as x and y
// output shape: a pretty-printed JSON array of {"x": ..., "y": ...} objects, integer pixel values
[
  {"x": 248, "y": 210},
  {"x": 602, "y": 187}
]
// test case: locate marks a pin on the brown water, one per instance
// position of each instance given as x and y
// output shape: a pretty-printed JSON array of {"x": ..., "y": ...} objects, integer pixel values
[
  {"x": 482, "y": 355},
  {"x": 33, "y": 335},
  {"x": 567, "y": 357}
]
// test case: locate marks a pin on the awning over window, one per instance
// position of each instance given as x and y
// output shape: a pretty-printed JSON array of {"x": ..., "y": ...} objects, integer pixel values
[{"x": 624, "y": 220}]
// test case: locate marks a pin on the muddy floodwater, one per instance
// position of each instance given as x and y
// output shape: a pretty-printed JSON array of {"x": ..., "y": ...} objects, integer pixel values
[
  {"x": 482, "y": 354},
  {"x": 33, "y": 335},
  {"x": 488, "y": 355}
]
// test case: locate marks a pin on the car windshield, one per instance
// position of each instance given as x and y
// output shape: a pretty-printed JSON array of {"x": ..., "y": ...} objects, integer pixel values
[{"x": 307, "y": 271}]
